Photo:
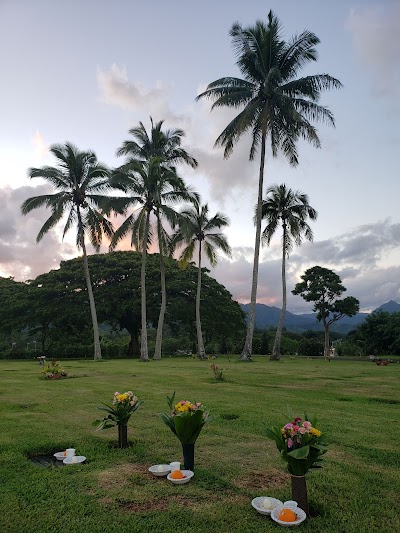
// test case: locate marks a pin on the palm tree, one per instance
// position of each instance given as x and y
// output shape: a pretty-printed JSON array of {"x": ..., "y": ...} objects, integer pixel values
[
  {"x": 291, "y": 209},
  {"x": 155, "y": 189},
  {"x": 196, "y": 228},
  {"x": 81, "y": 182},
  {"x": 167, "y": 145},
  {"x": 276, "y": 104}
]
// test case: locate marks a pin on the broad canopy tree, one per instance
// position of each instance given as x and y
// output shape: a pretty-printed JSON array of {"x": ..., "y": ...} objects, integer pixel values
[
  {"x": 54, "y": 308},
  {"x": 324, "y": 287},
  {"x": 275, "y": 106}
]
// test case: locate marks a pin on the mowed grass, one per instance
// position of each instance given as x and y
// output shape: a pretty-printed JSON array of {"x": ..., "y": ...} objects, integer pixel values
[{"x": 357, "y": 403}]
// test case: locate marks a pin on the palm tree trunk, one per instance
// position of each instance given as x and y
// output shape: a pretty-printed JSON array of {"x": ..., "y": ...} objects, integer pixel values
[
  {"x": 160, "y": 325},
  {"x": 248, "y": 345},
  {"x": 200, "y": 344},
  {"x": 276, "y": 350},
  {"x": 144, "y": 355},
  {"x": 96, "y": 338}
]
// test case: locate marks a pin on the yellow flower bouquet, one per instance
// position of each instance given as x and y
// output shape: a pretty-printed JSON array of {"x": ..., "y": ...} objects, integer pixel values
[
  {"x": 122, "y": 408},
  {"x": 186, "y": 420}
]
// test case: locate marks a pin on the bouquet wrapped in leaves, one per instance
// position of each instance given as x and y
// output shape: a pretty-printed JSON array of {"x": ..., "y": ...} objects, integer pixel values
[
  {"x": 301, "y": 445},
  {"x": 186, "y": 420}
]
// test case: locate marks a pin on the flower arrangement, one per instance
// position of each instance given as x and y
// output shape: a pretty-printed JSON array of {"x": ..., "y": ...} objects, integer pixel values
[
  {"x": 300, "y": 445},
  {"x": 186, "y": 420},
  {"x": 53, "y": 370},
  {"x": 122, "y": 408}
]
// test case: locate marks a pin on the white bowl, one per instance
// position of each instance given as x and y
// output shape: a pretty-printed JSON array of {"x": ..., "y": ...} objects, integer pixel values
[
  {"x": 188, "y": 476},
  {"x": 60, "y": 456},
  {"x": 256, "y": 502},
  {"x": 76, "y": 459},
  {"x": 157, "y": 471},
  {"x": 301, "y": 515}
]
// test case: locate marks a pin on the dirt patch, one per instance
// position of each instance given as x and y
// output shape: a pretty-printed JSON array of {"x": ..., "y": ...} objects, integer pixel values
[
  {"x": 154, "y": 504},
  {"x": 120, "y": 475},
  {"x": 273, "y": 479}
]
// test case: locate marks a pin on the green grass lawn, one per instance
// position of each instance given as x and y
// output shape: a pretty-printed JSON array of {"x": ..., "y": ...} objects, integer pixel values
[{"x": 357, "y": 403}]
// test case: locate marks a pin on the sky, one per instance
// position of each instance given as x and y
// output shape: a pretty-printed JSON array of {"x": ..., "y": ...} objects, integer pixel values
[{"x": 87, "y": 72}]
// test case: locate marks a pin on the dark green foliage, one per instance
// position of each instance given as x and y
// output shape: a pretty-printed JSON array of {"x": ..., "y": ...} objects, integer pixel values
[
  {"x": 323, "y": 287},
  {"x": 54, "y": 308},
  {"x": 379, "y": 334},
  {"x": 349, "y": 349},
  {"x": 310, "y": 347}
]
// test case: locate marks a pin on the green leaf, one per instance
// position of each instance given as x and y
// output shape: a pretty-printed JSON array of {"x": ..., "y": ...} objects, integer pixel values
[
  {"x": 300, "y": 453},
  {"x": 188, "y": 426},
  {"x": 170, "y": 401}
]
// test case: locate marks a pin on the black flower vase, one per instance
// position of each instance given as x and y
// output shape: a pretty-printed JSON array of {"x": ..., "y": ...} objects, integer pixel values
[
  {"x": 122, "y": 436},
  {"x": 188, "y": 456},
  {"x": 299, "y": 492}
]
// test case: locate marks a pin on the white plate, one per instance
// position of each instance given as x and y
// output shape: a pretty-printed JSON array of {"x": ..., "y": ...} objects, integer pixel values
[
  {"x": 188, "y": 476},
  {"x": 76, "y": 459},
  {"x": 256, "y": 502},
  {"x": 60, "y": 456},
  {"x": 156, "y": 470},
  {"x": 301, "y": 515}
]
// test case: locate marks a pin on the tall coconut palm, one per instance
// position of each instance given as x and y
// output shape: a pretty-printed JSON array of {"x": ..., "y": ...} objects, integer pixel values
[
  {"x": 165, "y": 144},
  {"x": 290, "y": 209},
  {"x": 80, "y": 182},
  {"x": 197, "y": 229},
  {"x": 276, "y": 106},
  {"x": 150, "y": 187}
]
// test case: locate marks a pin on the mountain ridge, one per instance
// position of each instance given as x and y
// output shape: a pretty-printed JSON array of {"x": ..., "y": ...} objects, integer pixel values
[{"x": 268, "y": 316}]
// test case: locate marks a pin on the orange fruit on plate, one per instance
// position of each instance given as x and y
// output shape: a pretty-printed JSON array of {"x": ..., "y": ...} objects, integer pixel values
[
  {"x": 177, "y": 474},
  {"x": 287, "y": 515}
]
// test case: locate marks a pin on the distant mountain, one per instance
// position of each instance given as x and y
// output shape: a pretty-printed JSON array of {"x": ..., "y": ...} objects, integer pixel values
[
  {"x": 267, "y": 316},
  {"x": 389, "y": 307}
]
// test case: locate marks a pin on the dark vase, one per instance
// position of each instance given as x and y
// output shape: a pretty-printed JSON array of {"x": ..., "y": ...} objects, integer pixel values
[
  {"x": 188, "y": 456},
  {"x": 299, "y": 492},
  {"x": 122, "y": 436}
]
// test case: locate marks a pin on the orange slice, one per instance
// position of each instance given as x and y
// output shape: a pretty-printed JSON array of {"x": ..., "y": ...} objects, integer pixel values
[
  {"x": 177, "y": 474},
  {"x": 287, "y": 515}
]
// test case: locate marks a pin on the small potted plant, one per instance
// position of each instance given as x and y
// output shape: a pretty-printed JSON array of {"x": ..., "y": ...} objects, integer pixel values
[
  {"x": 53, "y": 370},
  {"x": 186, "y": 420},
  {"x": 119, "y": 413},
  {"x": 301, "y": 446}
]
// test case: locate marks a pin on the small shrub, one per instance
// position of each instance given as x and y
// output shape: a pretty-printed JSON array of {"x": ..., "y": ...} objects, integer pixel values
[{"x": 217, "y": 373}]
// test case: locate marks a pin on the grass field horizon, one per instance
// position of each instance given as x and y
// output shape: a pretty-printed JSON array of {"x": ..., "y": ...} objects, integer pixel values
[{"x": 357, "y": 405}]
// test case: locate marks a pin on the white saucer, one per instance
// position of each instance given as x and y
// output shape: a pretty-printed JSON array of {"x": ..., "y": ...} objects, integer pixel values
[
  {"x": 60, "y": 456},
  {"x": 76, "y": 459},
  {"x": 188, "y": 476},
  {"x": 166, "y": 469},
  {"x": 256, "y": 503},
  {"x": 301, "y": 515}
]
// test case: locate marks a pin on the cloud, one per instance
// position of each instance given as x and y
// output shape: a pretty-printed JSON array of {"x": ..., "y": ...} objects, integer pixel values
[
  {"x": 117, "y": 90},
  {"x": 375, "y": 32},
  {"x": 355, "y": 256},
  {"x": 226, "y": 179},
  {"x": 40, "y": 147},
  {"x": 20, "y": 256}
]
